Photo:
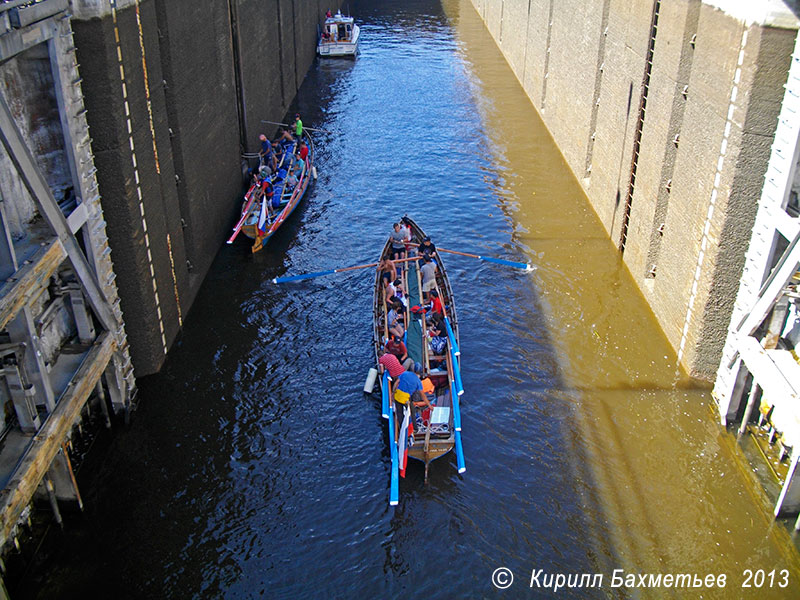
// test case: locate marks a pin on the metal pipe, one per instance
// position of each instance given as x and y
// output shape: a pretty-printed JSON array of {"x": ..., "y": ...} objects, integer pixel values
[
  {"x": 748, "y": 412},
  {"x": 51, "y": 494},
  {"x": 101, "y": 394}
]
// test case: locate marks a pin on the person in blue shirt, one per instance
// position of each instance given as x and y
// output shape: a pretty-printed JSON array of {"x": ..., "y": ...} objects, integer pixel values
[
  {"x": 266, "y": 154},
  {"x": 409, "y": 388}
]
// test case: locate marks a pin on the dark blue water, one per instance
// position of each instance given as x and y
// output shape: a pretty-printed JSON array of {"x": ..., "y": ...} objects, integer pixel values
[{"x": 256, "y": 467}]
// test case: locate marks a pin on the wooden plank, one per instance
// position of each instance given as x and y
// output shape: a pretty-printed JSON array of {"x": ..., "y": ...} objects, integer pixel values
[
  {"x": 46, "y": 444},
  {"x": 29, "y": 280},
  {"x": 771, "y": 379}
]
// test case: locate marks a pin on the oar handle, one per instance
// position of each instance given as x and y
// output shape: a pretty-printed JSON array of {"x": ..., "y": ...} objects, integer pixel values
[
  {"x": 459, "y": 253},
  {"x": 500, "y": 261},
  {"x": 356, "y": 267},
  {"x": 330, "y": 271},
  {"x": 304, "y": 128},
  {"x": 275, "y": 123}
]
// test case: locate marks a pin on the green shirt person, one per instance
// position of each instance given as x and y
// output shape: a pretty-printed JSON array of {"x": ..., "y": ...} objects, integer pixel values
[{"x": 298, "y": 126}]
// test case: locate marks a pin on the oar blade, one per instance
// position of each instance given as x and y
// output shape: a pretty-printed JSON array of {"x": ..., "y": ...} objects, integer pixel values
[
  {"x": 509, "y": 263},
  {"x": 460, "y": 463},
  {"x": 303, "y": 276}
]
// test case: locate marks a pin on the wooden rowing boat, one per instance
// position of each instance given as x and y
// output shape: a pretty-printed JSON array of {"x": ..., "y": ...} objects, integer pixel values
[
  {"x": 437, "y": 432},
  {"x": 262, "y": 216}
]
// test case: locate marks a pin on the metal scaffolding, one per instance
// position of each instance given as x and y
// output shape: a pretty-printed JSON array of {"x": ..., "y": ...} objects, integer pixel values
[
  {"x": 759, "y": 373},
  {"x": 62, "y": 340}
]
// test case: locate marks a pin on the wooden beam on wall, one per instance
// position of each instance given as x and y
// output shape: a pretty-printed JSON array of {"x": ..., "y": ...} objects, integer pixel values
[{"x": 30, "y": 280}]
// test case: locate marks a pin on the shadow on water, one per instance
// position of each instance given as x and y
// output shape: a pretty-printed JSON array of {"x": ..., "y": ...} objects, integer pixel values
[{"x": 255, "y": 466}]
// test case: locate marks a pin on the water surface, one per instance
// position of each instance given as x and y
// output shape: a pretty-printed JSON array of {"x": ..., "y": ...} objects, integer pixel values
[{"x": 255, "y": 466}]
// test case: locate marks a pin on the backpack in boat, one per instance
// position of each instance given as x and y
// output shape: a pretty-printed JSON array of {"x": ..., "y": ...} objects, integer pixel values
[
  {"x": 417, "y": 311},
  {"x": 438, "y": 344}
]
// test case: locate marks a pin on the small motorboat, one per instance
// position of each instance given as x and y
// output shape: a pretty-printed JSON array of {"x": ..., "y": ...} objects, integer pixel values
[{"x": 339, "y": 36}]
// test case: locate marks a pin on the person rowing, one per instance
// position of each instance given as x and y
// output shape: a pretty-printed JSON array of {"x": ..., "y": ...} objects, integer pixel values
[
  {"x": 427, "y": 248},
  {"x": 388, "y": 270},
  {"x": 398, "y": 238}
]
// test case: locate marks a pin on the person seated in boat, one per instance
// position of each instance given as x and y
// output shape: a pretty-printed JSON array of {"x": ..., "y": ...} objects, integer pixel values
[
  {"x": 398, "y": 238},
  {"x": 328, "y": 14},
  {"x": 428, "y": 391},
  {"x": 284, "y": 138},
  {"x": 389, "y": 362},
  {"x": 438, "y": 334},
  {"x": 428, "y": 272},
  {"x": 435, "y": 305},
  {"x": 409, "y": 389},
  {"x": 294, "y": 178},
  {"x": 277, "y": 151},
  {"x": 387, "y": 270},
  {"x": 303, "y": 150},
  {"x": 268, "y": 190},
  {"x": 399, "y": 294},
  {"x": 393, "y": 321},
  {"x": 398, "y": 348},
  {"x": 427, "y": 248},
  {"x": 389, "y": 291}
]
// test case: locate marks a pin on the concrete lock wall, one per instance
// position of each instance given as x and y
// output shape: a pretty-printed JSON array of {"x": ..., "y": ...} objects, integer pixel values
[
  {"x": 696, "y": 152},
  {"x": 176, "y": 90}
]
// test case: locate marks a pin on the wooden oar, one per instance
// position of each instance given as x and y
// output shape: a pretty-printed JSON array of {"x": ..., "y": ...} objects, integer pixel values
[
  {"x": 500, "y": 261},
  {"x": 460, "y": 462},
  {"x": 304, "y": 127},
  {"x": 394, "y": 477},
  {"x": 250, "y": 197},
  {"x": 331, "y": 271},
  {"x": 385, "y": 394}
]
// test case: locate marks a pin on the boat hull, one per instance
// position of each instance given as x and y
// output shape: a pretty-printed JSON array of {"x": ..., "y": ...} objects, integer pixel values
[
  {"x": 284, "y": 210},
  {"x": 348, "y": 48},
  {"x": 437, "y": 445}
]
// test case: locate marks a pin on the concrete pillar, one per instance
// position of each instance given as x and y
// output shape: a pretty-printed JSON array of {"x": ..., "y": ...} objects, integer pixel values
[
  {"x": 22, "y": 395},
  {"x": 789, "y": 499},
  {"x": 8, "y": 258},
  {"x": 21, "y": 329},
  {"x": 753, "y": 398}
]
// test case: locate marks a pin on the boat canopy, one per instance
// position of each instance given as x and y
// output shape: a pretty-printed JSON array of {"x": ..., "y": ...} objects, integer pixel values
[{"x": 339, "y": 28}]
